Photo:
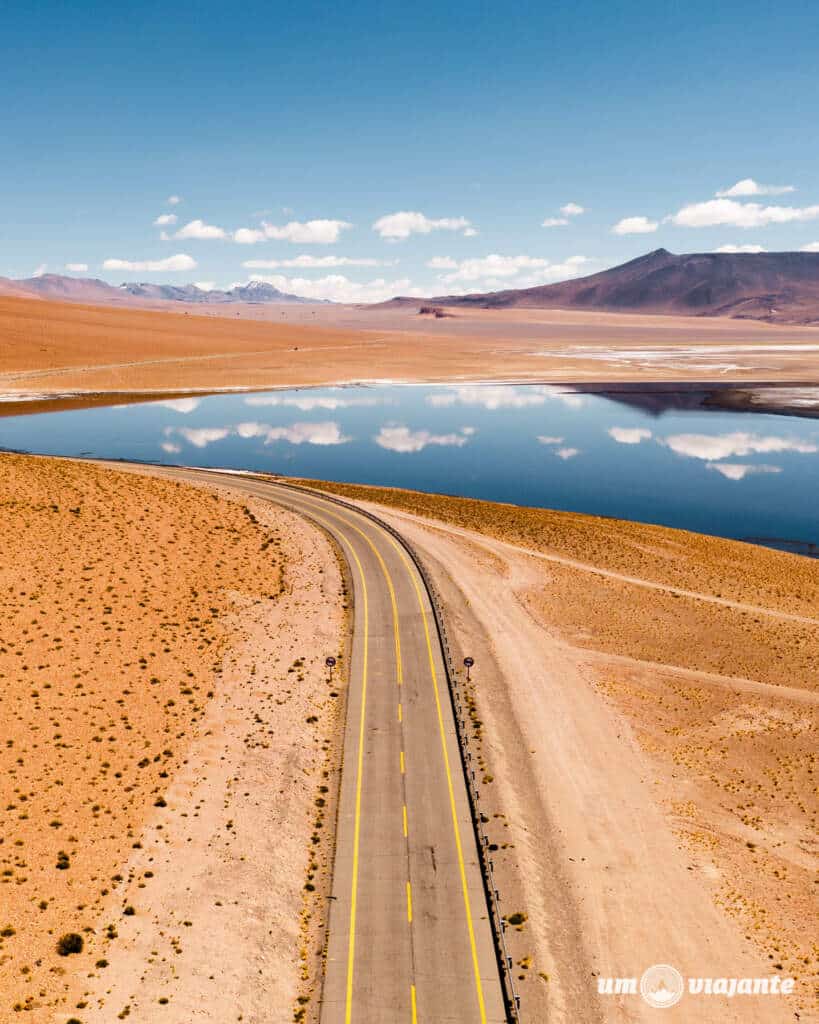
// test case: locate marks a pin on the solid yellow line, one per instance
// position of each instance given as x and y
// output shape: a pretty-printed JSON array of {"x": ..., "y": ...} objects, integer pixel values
[
  {"x": 441, "y": 729},
  {"x": 348, "y": 1012},
  {"x": 412, "y": 1003},
  {"x": 405, "y": 821},
  {"x": 400, "y": 714},
  {"x": 401, "y": 759},
  {"x": 455, "y": 826},
  {"x": 409, "y": 902}
]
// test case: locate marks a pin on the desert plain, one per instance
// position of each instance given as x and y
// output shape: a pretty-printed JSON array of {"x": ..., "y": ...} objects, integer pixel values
[
  {"x": 53, "y": 349},
  {"x": 644, "y": 700}
]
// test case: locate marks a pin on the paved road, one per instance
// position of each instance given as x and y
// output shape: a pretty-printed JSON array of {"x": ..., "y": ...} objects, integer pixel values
[{"x": 409, "y": 933}]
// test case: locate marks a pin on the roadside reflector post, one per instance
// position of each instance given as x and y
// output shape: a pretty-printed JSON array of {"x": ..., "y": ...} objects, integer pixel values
[
  {"x": 330, "y": 662},
  {"x": 469, "y": 662}
]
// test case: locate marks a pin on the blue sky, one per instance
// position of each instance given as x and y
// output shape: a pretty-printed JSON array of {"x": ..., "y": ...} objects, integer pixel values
[{"x": 307, "y": 128}]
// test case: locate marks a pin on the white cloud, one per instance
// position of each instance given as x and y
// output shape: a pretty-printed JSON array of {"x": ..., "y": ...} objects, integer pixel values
[
  {"x": 315, "y": 232},
  {"x": 170, "y": 447},
  {"x": 554, "y": 222},
  {"x": 39, "y": 271},
  {"x": 183, "y": 405},
  {"x": 164, "y": 219},
  {"x": 338, "y": 288},
  {"x": 567, "y": 453},
  {"x": 487, "y": 396},
  {"x": 171, "y": 263},
  {"x": 544, "y": 439},
  {"x": 749, "y": 187},
  {"x": 408, "y": 222},
  {"x": 401, "y": 439},
  {"x": 739, "y": 470},
  {"x": 309, "y": 402},
  {"x": 200, "y": 230},
  {"x": 470, "y": 232},
  {"x": 572, "y": 210},
  {"x": 201, "y": 437},
  {"x": 810, "y": 247},
  {"x": 629, "y": 435},
  {"x": 173, "y": 200},
  {"x": 248, "y": 236},
  {"x": 713, "y": 447},
  {"x": 494, "y": 268},
  {"x": 442, "y": 263},
  {"x": 77, "y": 268},
  {"x": 634, "y": 226},
  {"x": 205, "y": 286},
  {"x": 316, "y": 262},
  {"x": 503, "y": 396},
  {"x": 327, "y": 433},
  {"x": 728, "y": 212},
  {"x": 741, "y": 248}
]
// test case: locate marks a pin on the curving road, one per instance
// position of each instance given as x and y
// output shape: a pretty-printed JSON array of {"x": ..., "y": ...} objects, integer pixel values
[{"x": 409, "y": 935}]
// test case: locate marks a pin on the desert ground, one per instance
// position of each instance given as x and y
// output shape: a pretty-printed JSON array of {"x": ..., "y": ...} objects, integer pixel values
[
  {"x": 52, "y": 349},
  {"x": 646, "y": 705},
  {"x": 169, "y": 751}
]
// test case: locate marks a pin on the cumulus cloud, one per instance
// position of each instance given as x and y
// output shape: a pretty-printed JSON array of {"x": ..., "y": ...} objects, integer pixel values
[
  {"x": 399, "y": 438},
  {"x": 487, "y": 396},
  {"x": 171, "y": 263},
  {"x": 338, "y": 288},
  {"x": 810, "y": 247},
  {"x": 170, "y": 447},
  {"x": 165, "y": 219},
  {"x": 567, "y": 211},
  {"x": 635, "y": 226},
  {"x": 749, "y": 187},
  {"x": 442, "y": 263},
  {"x": 567, "y": 453},
  {"x": 326, "y": 433},
  {"x": 545, "y": 439},
  {"x": 503, "y": 396},
  {"x": 629, "y": 435},
  {"x": 728, "y": 212},
  {"x": 309, "y": 402},
  {"x": 173, "y": 200},
  {"x": 201, "y": 437},
  {"x": 739, "y": 470},
  {"x": 715, "y": 447},
  {"x": 741, "y": 248},
  {"x": 316, "y": 262},
  {"x": 408, "y": 222},
  {"x": 526, "y": 270},
  {"x": 183, "y": 405},
  {"x": 315, "y": 232},
  {"x": 198, "y": 229},
  {"x": 77, "y": 268}
]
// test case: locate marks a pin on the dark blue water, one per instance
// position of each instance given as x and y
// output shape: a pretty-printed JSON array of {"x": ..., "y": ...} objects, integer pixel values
[{"x": 735, "y": 474}]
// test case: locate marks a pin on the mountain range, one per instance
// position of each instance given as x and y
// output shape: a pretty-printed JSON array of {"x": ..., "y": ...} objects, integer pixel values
[
  {"x": 781, "y": 287},
  {"x": 92, "y": 291}
]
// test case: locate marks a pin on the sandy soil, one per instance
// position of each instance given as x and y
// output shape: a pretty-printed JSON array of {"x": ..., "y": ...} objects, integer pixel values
[
  {"x": 646, "y": 706},
  {"x": 51, "y": 347},
  {"x": 168, "y": 747}
]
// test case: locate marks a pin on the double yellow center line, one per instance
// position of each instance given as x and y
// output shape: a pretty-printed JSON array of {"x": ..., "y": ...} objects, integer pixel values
[{"x": 360, "y": 753}]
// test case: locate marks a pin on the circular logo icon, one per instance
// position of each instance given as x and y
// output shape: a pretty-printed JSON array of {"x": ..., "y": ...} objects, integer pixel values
[{"x": 661, "y": 986}]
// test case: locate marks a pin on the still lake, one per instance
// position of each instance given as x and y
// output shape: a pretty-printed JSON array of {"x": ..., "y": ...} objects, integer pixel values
[{"x": 651, "y": 458}]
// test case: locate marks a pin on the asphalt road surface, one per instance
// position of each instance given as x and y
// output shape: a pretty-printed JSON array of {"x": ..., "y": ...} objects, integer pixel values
[{"x": 409, "y": 934}]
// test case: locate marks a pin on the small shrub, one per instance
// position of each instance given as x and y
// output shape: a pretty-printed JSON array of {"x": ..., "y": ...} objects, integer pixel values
[{"x": 70, "y": 943}]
